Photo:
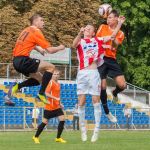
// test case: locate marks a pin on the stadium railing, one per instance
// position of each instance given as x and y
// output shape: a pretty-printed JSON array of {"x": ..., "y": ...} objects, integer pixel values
[
  {"x": 67, "y": 73},
  {"x": 21, "y": 118}
]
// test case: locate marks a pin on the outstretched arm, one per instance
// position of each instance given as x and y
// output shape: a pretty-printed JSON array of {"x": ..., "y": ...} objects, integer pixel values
[
  {"x": 78, "y": 38},
  {"x": 40, "y": 50},
  {"x": 52, "y": 50}
]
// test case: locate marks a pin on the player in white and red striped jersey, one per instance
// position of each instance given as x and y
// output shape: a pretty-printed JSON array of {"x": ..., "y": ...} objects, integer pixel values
[{"x": 90, "y": 51}]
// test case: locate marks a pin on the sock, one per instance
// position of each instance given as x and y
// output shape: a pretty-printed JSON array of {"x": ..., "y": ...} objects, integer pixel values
[
  {"x": 81, "y": 112},
  {"x": 97, "y": 115},
  {"x": 29, "y": 82},
  {"x": 60, "y": 128},
  {"x": 103, "y": 98},
  {"x": 40, "y": 129},
  {"x": 45, "y": 80},
  {"x": 117, "y": 90}
]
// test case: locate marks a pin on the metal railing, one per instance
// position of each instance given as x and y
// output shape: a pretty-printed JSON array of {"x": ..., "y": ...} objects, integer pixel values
[
  {"x": 70, "y": 72},
  {"x": 21, "y": 118}
]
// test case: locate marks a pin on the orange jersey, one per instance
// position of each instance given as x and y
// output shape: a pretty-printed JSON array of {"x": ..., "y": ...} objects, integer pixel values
[
  {"x": 53, "y": 89},
  {"x": 105, "y": 30},
  {"x": 27, "y": 40}
]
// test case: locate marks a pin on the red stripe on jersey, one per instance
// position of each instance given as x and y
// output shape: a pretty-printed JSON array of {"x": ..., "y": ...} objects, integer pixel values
[
  {"x": 101, "y": 49},
  {"x": 91, "y": 60},
  {"x": 81, "y": 56}
]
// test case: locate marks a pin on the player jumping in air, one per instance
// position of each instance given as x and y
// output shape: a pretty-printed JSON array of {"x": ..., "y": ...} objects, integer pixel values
[{"x": 39, "y": 72}]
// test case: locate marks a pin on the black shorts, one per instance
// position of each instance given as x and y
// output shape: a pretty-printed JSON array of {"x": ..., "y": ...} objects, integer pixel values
[
  {"x": 26, "y": 65},
  {"x": 110, "y": 68},
  {"x": 52, "y": 114}
]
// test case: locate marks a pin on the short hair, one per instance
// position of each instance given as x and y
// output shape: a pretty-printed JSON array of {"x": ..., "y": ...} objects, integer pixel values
[
  {"x": 115, "y": 12},
  {"x": 35, "y": 16},
  {"x": 57, "y": 70},
  {"x": 91, "y": 24}
]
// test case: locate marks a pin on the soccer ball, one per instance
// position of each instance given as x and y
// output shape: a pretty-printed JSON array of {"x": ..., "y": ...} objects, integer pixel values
[{"x": 104, "y": 10}]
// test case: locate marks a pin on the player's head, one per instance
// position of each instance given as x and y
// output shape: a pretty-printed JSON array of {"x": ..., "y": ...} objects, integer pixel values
[
  {"x": 112, "y": 18},
  {"x": 89, "y": 31},
  {"x": 56, "y": 74},
  {"x": 37, "y": 20}
]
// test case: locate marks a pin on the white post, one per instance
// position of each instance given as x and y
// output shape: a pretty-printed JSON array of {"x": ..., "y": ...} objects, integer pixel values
[
  {"x": 69, "y": 64},
  {"x": 65, "y": 73},
  {"x": 149, "y": 99},
  {"x": 134, "y": 96},
  {"x": 24, "y": 118},
  {"x": 4, "y": 119},
  {"x": 7, "y": 71}
]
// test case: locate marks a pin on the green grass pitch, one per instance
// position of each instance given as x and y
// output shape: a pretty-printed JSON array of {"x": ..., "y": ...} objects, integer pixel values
[{"x": 108, "y": 140}]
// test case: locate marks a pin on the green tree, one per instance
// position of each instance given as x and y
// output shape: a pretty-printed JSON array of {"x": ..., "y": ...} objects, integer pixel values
[{"x": 134, "y": 55}]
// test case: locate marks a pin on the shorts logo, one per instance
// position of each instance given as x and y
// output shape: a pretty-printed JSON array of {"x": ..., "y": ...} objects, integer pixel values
[{"x": 37, "y": 61}]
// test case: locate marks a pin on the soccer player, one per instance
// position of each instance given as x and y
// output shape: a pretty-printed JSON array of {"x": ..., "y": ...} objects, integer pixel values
[
  {"x": 111, "y": 67},
  {"x": 29, "y": 39},
  {"x": 53, "y": 109},
  {"x": 90, "y": 52}
]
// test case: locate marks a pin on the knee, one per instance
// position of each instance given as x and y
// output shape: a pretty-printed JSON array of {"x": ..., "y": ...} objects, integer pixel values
[
  {"x": 123, "y": 86},
  {"x": 48, "y": 68},
  {"x": 51, "y": 68},
  {"x": 45, "y": 122},
  {"x": 81, "y": 104}
]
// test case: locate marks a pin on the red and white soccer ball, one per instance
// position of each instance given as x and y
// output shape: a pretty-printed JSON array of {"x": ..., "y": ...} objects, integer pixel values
[{"x": 104, "y": 10}]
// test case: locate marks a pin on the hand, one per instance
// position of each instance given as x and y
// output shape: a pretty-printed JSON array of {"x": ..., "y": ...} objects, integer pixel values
[
  {"x": 62, "y": 47},
  {"x": 62, "y": 106},
  {"x": 121, "y": 19},
  {"x": 81, "y": 31},
  {"x": 58, "y": 99},
  {"x": 43, "y": 52}
]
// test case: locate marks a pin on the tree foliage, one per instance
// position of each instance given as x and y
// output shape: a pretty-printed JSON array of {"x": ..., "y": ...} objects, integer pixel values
[{"x": 134, "y": 55}]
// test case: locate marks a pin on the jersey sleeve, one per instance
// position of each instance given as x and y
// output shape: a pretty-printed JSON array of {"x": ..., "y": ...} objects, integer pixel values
[
  {"x": 49, "y": 87},
  {"x": 40, "y": 40},
  {"x": 120, "y": 37},
  {"x": 99, "y": 31}
]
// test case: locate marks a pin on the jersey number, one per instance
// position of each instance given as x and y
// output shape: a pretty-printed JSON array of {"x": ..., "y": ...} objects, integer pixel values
[{"x": 23, "y": 36}]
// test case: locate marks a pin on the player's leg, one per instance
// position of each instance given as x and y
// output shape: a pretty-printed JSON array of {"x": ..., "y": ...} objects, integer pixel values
[
  {"x": 120, "y": 85},
  {"x": 48, "y": 70},
  {"x": 77, "y": 122},
  {"x": 39, "y": 130},
  {"x": 26, "y": 66},
  {"x": 34, "y": 80},
  {"x": 74, "y": 123},
  {"x": 82, "y": 89},
  {"x": 81, "y": 113},
  {"x": 116, "y": 73},
  {"x": 61, "y": 118},
  {"x": 103, "y": 71},
  {"x": 95, "y": 84},
  {"x": 104, "y": 102},
  {"x": 97, "y": 116}
]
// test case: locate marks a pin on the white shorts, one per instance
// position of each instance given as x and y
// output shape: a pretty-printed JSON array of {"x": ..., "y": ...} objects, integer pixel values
[{"x": 88, "y": 82}]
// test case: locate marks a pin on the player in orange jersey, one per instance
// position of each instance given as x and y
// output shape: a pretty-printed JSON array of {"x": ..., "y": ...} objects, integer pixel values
[
  {"x": 111, "y": 67},
  {"x": 29, "y": 39},
  {"x": 54, "y": 109}
]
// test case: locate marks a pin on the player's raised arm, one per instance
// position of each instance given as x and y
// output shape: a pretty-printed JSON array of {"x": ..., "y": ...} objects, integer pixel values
[
  {"x": 52, "y": 50},
  {"x": 121, "y": 20},
  {"x": 78, "y": 38}
]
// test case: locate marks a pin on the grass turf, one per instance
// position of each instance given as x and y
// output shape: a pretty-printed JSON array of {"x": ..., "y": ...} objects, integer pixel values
[{"x": 109, "y": 140}]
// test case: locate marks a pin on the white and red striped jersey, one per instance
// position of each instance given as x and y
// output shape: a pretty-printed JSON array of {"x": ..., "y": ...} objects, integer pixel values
[{"x": 90, "y": 50}]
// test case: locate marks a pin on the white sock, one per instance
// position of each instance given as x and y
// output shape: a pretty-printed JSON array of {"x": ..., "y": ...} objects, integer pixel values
[
  {"x": 97, "y": 114},
  {"x": 81, "y": 112}
]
